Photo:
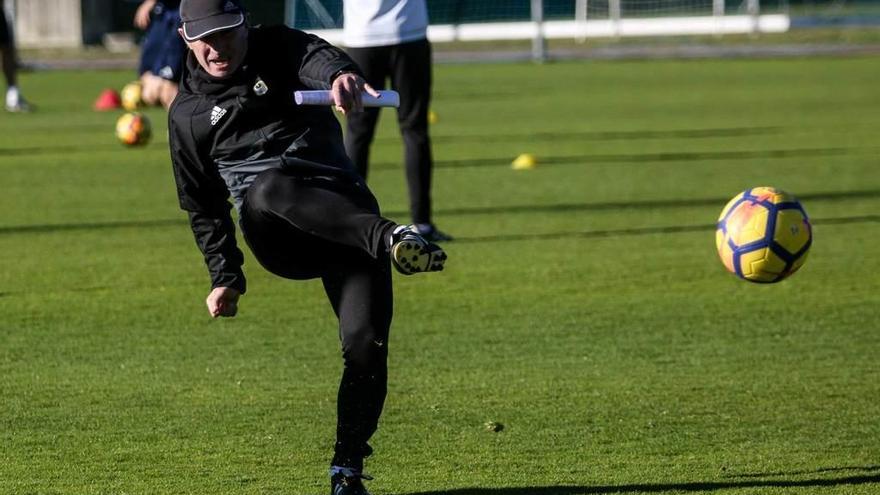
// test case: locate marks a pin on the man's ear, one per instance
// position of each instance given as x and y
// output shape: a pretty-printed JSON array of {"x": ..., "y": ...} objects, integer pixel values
[{"x": 180, "y": 32}]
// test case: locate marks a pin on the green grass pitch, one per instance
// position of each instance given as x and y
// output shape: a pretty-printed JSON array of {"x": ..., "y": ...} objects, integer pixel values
[{"x": 583, "y": 306}]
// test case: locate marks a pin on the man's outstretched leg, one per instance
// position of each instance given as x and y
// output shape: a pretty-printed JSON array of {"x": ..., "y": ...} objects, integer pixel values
[{"x": 342, "y": 212}]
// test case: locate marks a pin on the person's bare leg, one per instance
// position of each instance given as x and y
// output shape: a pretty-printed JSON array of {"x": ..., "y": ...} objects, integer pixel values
[
  {"x": 151, "y": 89},
  {"x": 168, "y": 93}
]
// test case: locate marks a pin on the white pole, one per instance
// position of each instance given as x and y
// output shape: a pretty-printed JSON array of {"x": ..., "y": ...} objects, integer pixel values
[
  {"x": 753, "y": 7},
  {"x": 580, "y": 18},
  {"x": 290, "y": 12},
  {"x": 321, "y": 13},
  {"x": 614, "y": 14},
  {"x": 718, "y": 13},
  {"x": 539, "y": 44},
  {"x": 456, "y": 21}
]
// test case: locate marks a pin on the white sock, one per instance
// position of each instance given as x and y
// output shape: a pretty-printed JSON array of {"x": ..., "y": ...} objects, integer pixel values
[{"x": 12, "y": 96}]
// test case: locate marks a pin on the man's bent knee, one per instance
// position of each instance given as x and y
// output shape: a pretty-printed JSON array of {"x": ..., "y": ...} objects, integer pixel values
[{"x": 366, "y": 351}]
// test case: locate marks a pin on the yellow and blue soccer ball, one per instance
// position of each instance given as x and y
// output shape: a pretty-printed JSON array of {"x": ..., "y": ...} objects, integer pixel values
[
  {"x": 133, "y": 129},
  {"x": 763, "y": 235},
  {"x": 132, "y": 96}
]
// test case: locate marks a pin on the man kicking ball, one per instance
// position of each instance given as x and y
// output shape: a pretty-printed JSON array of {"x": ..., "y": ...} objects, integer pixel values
[{"x": 235, "y": 130}]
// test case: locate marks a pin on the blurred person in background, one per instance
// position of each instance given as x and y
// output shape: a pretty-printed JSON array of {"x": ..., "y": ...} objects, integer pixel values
[
  {"x": 388, "y": 39},
  {"x": 14, "y": 101},
  {"x": 163, "y": 50}
]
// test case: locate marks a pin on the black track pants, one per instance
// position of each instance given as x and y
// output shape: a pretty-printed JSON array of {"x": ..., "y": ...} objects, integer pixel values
[
  {"x": 408, "y": 66},
  {"x": 308, "y": 227}
]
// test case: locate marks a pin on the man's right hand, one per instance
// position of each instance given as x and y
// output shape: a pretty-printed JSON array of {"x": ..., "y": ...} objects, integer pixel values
[
  {"x": 346, "y": 92},
  {"x": 223, "y": 301},
  {"x": 142, "y": 15}
]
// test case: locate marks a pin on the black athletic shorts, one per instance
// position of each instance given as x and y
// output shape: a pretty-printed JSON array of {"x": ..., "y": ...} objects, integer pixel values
[{"x": 163, "y": 51}]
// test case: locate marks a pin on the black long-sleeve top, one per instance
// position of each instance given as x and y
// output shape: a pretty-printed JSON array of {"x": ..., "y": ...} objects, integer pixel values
[{"x": 224, "y": 132}]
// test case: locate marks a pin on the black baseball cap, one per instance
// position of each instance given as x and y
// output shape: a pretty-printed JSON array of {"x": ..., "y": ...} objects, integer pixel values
[{"x": 205, "y": 17}]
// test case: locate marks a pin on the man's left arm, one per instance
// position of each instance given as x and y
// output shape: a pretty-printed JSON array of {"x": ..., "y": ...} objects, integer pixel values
[
  {"x": 320, "y": 62},
  {"x": 325, "y": 66}
]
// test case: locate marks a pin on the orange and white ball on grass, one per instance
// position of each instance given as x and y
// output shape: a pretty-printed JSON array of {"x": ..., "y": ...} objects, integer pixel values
[
  {"x": 763, "y": 235},
  {"x": 133, "y": 129}
]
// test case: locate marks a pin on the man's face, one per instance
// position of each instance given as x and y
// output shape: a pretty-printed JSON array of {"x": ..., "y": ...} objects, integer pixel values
[{"x": 221, "y": 53}]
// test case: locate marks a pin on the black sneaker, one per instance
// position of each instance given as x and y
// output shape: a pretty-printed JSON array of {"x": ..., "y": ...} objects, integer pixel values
[
  {"x": 340, "y": 484},
  {"x": 411, "y": 253}
]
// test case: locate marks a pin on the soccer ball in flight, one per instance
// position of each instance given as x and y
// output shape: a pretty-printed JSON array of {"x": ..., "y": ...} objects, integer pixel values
[
  {"x": 133, "y": 129},
  {"x": 763, "y": 235}
]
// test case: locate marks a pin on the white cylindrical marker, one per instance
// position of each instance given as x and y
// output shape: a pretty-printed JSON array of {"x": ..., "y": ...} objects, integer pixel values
[{"x": 386, "y": 98}]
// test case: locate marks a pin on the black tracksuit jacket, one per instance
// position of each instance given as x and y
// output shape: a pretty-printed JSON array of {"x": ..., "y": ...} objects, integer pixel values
[{"x": 223, "y": 133}]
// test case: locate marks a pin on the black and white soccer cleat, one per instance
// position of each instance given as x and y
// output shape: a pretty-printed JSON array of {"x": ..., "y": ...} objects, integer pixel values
[
  {"x": 348, "y": 483},
  {"x": 411, "y": 253}
]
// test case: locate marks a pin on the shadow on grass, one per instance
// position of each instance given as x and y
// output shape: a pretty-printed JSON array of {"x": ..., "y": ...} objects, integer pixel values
[
  {"x": 533, "y": 137},
  {"x": 800, "y": 473},
  {"x": 513, "y": 209},
  {"x": 530, "y": 137},
  {"x": 636, "y": 205},
  {"x": 671, "y": 229},
  {"x": 74, "y": 149},
  {"x": 636, "y": 158},
  {"x": 697, "y": 486},
  {"x": 62, "y": 227},
  {"x": 627, "y": 158}
]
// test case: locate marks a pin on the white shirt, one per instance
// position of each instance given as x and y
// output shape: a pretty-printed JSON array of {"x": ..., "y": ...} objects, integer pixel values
[{"x": 384, "y": 22}]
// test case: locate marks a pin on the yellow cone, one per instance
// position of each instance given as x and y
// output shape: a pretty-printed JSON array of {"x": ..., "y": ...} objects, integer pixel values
[
  {"x": 525, "y": 161},
  {"x": 432, "y": 117}
]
